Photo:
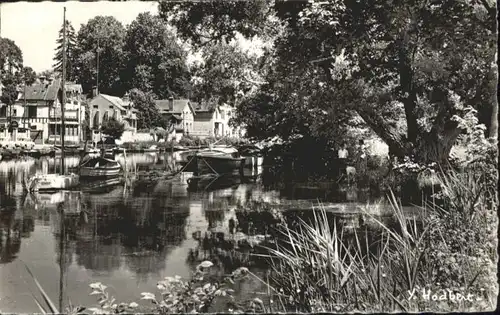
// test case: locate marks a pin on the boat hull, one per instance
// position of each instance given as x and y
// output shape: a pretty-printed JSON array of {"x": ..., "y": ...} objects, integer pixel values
[
  {"x": 219, "y": 163},
  {"x": 54, "y": 182},
  {"x": 99, "y": 172}
]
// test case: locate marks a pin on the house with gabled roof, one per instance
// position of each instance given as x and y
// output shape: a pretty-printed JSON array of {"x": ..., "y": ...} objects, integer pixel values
[
  {"x": 37, "y": 111},
  {"x": 180, "y": 112},
  {"x": 103, "y": 107},
  {"x": 212, "y": 120}
]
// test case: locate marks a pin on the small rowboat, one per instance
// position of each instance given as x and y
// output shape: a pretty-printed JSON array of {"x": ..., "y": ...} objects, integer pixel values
[
  {"x": 218, "y": 162},
  {"x": 98, "y": 167},
  {"x": 53, "y": 182}
]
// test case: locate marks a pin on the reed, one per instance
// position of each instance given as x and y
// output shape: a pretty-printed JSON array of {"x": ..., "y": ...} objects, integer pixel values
[{"x": 319, "y": 269}]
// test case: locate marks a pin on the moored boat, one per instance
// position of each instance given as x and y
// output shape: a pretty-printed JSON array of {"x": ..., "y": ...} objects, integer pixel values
[
  {"x": 53, "y": 182},
  {"x": 218, "y": 162},
  {"x": 153, "y": 148},
  {"x": 210, "y": 182},
  {"x": 98, "y": 167}
]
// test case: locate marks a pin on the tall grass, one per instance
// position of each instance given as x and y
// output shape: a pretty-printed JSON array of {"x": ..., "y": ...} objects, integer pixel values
[
  {"x": 327, "y": 271},
  {"x": 452, "y": 249}
]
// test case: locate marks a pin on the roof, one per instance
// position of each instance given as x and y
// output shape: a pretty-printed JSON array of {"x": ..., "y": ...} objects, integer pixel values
[
  {"x": 116, "y": 101},
  {"x": 73, "y": 87},
  {"x": 42, "y": 92},
  {"x": 204, "y": 107},
  {"x": 175, "y": 106},
  {"x": 204, "y": 115}
]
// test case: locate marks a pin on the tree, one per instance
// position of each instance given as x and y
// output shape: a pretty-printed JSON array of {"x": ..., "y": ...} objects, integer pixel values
[
  {"x": 113, "y": 128},
  {"x": 147, "y": 112},
  {"x": 9, "y": 92},
  {"x": 49, "y": 73},
  {"x": 377, "y": 60},
  {"x": 223, "y": 74},
  {"x": 71, "y": 42},
  {"x": 155, "y": 60},
  {"x": 28, "y": 75},
  {"x": 106, "y": 34},
  {"x": 11, "y": 58}
]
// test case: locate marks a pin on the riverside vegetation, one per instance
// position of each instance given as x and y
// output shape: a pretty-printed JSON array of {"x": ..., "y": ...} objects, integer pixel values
[{"x": 411, "y": 265}]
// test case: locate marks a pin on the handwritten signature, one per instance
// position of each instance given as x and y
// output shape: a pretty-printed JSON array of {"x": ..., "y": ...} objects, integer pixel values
[{"x": 442, "y": 295}]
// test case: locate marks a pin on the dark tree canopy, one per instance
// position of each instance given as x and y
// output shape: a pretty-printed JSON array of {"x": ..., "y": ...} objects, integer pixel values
[
  {"x": 11, "y": 58},
  {"x": 71, "y": 56},
  {"x": 223, "y": 74},
  {"x": 147, "y": 112},
  {"x": 113, "y": 128},
  {"x": 155, "y": 60},
  {"x": 106, "y": 35},
  {"x": 410, "y": 69},
  {"x": 28, "y": 75}
]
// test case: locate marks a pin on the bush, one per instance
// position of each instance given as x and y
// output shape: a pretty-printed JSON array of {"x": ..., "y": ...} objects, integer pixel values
[{"x": 113, "y": 128}]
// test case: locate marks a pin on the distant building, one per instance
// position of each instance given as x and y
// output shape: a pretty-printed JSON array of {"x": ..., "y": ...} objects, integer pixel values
[
  {"x": 181, "y": 114},
  {"x": 103, "y": 107},
  {"x": 213, "y": 121},
  {"x": 37, "y": 112}
]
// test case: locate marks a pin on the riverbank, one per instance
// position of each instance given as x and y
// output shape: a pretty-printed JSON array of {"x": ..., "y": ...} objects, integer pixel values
[
  {"x": 447, "y": 262},
  {"x": 137, "y": 229}
]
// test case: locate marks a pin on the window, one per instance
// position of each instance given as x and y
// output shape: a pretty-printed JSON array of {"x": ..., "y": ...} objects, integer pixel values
[
  {"x": 32, "y": 112},
  {"x": 96, "y": 106},
  {"x": 14, "y": 112},
  {"x": 3, "y": 111},
  {"x": 111, "y": 107}
]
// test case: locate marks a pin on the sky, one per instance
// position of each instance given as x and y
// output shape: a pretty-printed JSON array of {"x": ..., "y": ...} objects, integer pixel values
[{"x": 34, "y": 27}]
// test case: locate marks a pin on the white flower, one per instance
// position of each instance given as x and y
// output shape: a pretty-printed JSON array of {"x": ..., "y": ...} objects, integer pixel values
[
  {"x": 147, "y": 296},
  {"x": 96, "y": 285},
  {"x": 133, "y": 305},
  {"x": 206, "y": 264}
]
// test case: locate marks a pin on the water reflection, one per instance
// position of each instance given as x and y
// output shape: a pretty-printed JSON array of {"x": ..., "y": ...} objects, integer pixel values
[{"x": 122, "y": 231}]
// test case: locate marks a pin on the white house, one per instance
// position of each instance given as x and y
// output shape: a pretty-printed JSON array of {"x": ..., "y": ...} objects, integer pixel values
[
  {"x": 181, "y": 113},
  {"x": 37, "y": 112},
  {"x": 103, "y": 107}
]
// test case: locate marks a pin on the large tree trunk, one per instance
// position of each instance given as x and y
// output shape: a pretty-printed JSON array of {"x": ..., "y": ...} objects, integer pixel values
[{"x": 433, "y": 147}]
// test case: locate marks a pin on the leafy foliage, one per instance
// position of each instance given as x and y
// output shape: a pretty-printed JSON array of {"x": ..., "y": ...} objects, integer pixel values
[
  {"x": 148, "y": 114},
  {"x": 104, "y": 35},
  {"x": 28, "y": 75},
  {"x": 155, "y": 60},
  {"x": 113, "y": 128},
  {"x": 222, "y": 75},
  {"x": 11, "y": 58},
  {"x": 71, "y": 47},
  {"x": 377, "y": 60},
  {"x": 9, "y": 91}
]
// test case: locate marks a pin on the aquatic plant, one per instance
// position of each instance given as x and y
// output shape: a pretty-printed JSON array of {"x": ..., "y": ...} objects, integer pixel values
[
  {"x": 107, "y": 303},
  {"x": 452, "y": 251},
  {"x": 193, "y": 296}
]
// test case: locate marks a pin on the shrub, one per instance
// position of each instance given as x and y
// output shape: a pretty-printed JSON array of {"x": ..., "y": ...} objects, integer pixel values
[{"x": 113, "y": 128}]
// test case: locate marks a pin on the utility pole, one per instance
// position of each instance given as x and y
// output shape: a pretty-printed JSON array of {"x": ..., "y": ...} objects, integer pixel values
[{"x": 63, "y": 93}]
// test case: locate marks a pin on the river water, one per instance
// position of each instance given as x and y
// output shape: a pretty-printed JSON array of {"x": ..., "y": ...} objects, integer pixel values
[{"x": 126, "y": 235}]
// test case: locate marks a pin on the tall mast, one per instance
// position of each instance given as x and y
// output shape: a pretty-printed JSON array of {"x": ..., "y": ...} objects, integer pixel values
[
  {"x": 63, "y": 127},
  {"x": 97, "y": 66}
]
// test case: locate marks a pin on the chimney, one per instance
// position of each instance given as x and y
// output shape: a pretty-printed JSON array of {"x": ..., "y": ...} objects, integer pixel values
[
  {"x": 171, "y": 103},
  {"x": 94, "y": 91}
]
